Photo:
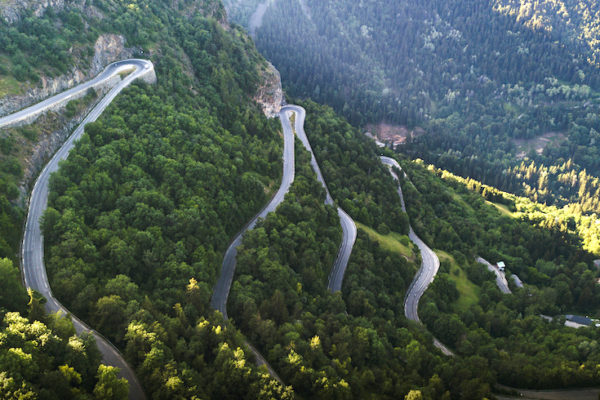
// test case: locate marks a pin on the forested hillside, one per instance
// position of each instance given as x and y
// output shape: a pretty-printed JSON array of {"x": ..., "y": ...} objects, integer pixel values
[
  {"x": 140, "y": 214},
  {"x": 491, "y": 84},
  {"x": 465, "y": 309},
  {"x": 144, "y": 207},
  {"x": 357, "y": 343}
]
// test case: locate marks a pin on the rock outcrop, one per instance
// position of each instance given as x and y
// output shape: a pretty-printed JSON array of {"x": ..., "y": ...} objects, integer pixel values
[
  {"x": 45, "y": 147},
  {"x": 270, "y": 94},
  {"x": 108, "y": 49},
  {"x": 13, "y": 10}
]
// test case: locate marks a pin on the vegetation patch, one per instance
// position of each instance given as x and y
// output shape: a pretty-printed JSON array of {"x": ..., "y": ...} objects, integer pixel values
[
  {"x": 538, "y": 144},
  {"x": 502, "y": 208},
  {"x": 468, "y": 291},
  {"x": 9, "y": 86},
  {"x": 393, "y": 241}
]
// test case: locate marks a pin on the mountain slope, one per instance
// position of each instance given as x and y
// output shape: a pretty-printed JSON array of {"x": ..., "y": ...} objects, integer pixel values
[
  {"x": 475, "y": 87},
  {"x": 200, "y": 112}
]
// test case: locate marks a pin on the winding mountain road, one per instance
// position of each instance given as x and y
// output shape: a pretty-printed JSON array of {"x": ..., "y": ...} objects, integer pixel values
[
  {"x": 336, "y": 277},
  {"x": 34, "y": 270},
  {"x": 223, "y": 286},
  {"x": 430, "y": 265}
]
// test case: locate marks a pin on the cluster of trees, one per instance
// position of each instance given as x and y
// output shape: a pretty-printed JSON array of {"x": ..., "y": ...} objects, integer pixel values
[
  {"x": 466, "y": 226},
  {"x": 52, "y": 43},
  {"x": 142, "y": 210},
  {"x": 577, "y": 22},
  {"x": 37, "y": 45},
  {"x": 16, "y": 144},
  {"x": 40, "y": 355},
  {"x": 572, "y": 218},
  {"x": 404, "y": 62},
  {"x": 353, "y": 344},
  {"x": 360, "y": 184},
  {"x": 11, "y": 215}
]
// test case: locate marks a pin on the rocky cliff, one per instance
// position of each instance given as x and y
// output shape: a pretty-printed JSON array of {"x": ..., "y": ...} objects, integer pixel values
[
  {"x": 270, "y": 94},
  {"x": 13, "y": 10}
]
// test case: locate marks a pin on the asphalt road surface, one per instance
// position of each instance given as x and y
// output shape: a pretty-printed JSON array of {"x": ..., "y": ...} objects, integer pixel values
[
  {"x": 501, "y": 281},
  {"x": 140, "y": 68},
  {"x": 34, "y": 270},
  {"x": 336, "y": 277},
  {"x": 430, "y": 265},
  {"x": 223, "y": 286}
]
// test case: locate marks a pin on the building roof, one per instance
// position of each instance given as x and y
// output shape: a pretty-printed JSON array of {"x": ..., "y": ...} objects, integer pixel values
[
  {"x": 501, "y": 264},
  {"x": 579, "y": 319}
]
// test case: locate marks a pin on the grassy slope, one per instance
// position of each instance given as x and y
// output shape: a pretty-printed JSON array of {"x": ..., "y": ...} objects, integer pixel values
[
  {"x": 469, "y": 292},
  {"x": 393, "y": 241}
]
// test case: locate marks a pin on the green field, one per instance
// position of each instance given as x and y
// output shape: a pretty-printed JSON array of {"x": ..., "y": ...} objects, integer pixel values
[
  {"x": 9, "y": 86},
  {"x": 393, "y": 242},
  {"x": 469, "y": 292}
]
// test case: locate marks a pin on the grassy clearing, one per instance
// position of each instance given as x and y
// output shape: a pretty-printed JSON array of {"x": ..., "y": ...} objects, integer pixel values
[
  {"x": 502, "y": 208},
  {"x": 538, "y": 143},
  {"x": 469, "y": 292},
  {"x": 9, "y": 86},
  {"x": 393, "y": 242}
]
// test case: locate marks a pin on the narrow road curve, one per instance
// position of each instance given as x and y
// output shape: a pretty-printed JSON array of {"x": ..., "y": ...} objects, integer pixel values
[
  {"x": 336, "y": 277},
  {"x": 139, "y": 68},
  {"x": 501, "y": 281},
  {"x": 223, "y": 286},
  {"x": 34, "y": 270},
  {"x": 430, "y": 265}
]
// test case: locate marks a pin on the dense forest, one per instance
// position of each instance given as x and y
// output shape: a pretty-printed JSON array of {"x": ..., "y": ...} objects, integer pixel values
[
  {"x": 339, "y": 345},
  {"x": 141, "y": 212},
  {"x": 492, "y": 84}
]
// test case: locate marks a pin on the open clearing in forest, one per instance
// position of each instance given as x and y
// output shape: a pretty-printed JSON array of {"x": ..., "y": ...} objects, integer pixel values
[
  {"x": 538, "y": 143},
  {"x": 502, "y": 208},
  {"x": 396, "y": 134}
]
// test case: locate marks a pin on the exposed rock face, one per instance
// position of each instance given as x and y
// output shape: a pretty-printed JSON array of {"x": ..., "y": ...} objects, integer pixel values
[
  {"x": 45, "y": 147},
  {"x": 108, "y": 48},
  {"x": 13, "y": 10},
  {"x": 270, "y": 94}
]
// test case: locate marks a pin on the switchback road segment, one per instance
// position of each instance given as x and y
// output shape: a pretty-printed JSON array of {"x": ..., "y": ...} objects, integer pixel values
[{"x": 34, "y": 270}]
